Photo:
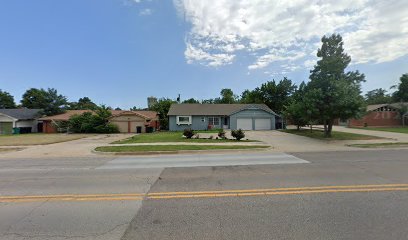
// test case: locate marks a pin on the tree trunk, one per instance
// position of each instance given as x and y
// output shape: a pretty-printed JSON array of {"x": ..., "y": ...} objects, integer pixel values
[
  {"x": 329, "y": 128},
  {"x": 325, "y": 128},
  {"x": 298, "y": 127}
]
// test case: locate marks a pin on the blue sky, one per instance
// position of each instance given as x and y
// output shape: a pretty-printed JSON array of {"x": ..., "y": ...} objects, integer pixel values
[{"x": 119, "y": 52}]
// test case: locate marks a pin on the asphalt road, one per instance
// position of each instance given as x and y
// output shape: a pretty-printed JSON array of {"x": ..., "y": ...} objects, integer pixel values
[{"x": 331, "y": 195}]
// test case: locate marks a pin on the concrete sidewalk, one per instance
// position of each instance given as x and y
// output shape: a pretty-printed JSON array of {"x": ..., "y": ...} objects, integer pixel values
[{"x": 400, "y": 137}]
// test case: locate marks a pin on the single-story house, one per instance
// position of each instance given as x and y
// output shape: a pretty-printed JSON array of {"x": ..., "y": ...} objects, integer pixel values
[
  {"x": 127, "y": 121},
  {"x": 226, "y": 116},
  {"x": 19, "y": 120},
  {"x": 381, "y": 115}
]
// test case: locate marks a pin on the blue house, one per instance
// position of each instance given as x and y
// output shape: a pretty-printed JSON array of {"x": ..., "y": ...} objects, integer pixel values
[{"x": 226, "y": 116}]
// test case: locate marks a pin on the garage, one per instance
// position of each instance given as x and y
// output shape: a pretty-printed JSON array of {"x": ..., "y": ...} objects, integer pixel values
[
  {"x": 6, "y": 127},
  {"x": 244, "y": 123},
  {"x": 262, "y": 124}
]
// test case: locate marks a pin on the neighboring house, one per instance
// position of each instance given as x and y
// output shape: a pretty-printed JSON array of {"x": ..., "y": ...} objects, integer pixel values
[
  {"x": 135, "y": 121},
  {"x": 381, "y": 115},
  {"x": 127, "y": 121},
  {"x": 226, "y": 116},
  {"x": 21, "y": 120}
]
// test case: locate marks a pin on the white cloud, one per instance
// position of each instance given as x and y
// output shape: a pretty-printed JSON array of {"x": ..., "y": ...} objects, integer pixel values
[
  {"x": 145, "y": 12},
  {"x": 289, "y": 31}
]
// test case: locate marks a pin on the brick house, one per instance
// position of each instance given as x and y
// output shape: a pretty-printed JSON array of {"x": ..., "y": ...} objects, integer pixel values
[{"x": 381, "y": 115}]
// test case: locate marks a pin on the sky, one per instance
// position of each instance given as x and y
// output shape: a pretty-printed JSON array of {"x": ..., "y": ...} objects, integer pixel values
[{"x": 119, "y": 52}]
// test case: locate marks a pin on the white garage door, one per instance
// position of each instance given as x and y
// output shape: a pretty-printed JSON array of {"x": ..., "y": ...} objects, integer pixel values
[
  {"x": 244, "y": 123},
  {"x": 262, "y": 124}
]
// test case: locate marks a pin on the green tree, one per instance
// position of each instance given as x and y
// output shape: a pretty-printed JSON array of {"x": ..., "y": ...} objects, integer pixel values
[
  {"x": 298, "y": 111},
  {"x": 252, "y": 96},
  {"x": 84, "y": 103},
  {"x": 162, "y": 108},
  {"x": 401, "y": 95},
  {"x": 6, "y": 100},
  {"x": 49, "y": 100},
  {"x": 377, "y": 96},
  {"x": 334, "y": 93},
  {"x": 96, "y": 121},
  {"x": 191, "y": 100},
  {"x": 227, "y": 97},
  {"x": 277, "y": 95}
]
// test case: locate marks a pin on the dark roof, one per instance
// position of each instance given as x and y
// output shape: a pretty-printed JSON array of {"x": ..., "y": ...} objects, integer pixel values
[
  {"x": 22, "y": 113},
  {"x": 397, "y": 105},
  {"x": 213, "y": 109}
]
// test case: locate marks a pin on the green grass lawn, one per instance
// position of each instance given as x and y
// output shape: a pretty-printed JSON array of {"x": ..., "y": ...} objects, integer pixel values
[
  {"x": 167, "y": 148},
  {"x": 39, "y": 138},
  {"x": 335, "y": 135},
  {"x": 388, "y": 129},
  {"x": 168, "y": 137},
  {"x": 381, "y": 145}
]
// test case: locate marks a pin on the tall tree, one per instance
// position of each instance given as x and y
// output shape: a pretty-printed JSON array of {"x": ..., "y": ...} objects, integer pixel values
[
  {"x": 49, "y": 100},
  {"x": 227, "y": 96},
  {"x": 6, "y": 100},
  {"x": 401, "y": 95},
  {"x": 336, "y": 93},
  {"x": 162, "y": 108},
  {"x": 252, "y": 96},
  {"x": 377, "y": 96},
  {"x": 277, "y": 95}
]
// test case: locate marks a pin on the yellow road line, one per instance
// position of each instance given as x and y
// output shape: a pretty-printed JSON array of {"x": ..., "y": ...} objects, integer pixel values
[
  {"x": 207, "y": 194},
  {"x": 278, "y": 189},
  {"x": 276, "y": 193}
]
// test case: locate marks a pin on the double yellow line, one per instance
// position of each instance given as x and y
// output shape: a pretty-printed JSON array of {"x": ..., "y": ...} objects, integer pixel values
[{"x": 208, "y": 194}]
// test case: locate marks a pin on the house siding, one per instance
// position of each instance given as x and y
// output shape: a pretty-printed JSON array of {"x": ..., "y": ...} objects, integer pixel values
[
  {"x": 196, "y": 123},
  {"x": 253, "y": 114}
]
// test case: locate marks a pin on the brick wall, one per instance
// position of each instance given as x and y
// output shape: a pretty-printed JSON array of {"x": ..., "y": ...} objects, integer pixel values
[{"x": 378, "y": 119}]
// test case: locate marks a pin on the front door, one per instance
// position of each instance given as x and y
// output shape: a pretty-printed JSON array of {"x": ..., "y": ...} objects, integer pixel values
[{"x": 138, "y": 129}]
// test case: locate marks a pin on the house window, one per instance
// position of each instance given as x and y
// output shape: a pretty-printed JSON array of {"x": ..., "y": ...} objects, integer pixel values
[
  {"x": 202, "y": 119},
  {"x": 214, "y": 121},
  {"x": 183, "y": 120}
]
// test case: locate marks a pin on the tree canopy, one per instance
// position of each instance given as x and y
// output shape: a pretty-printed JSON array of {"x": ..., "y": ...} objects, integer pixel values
[
  {"x": 6, "y": 100},
  {"x": 401, "y": 95},
  {"x": 275, "y": 95},
  {"x": 162, "y": 108},
  {"x": 377, "y": 96},
  {"x": 332, "y": 92},
  {"x": 49, "y": 100},
  {"x": 83, "y": 103}
]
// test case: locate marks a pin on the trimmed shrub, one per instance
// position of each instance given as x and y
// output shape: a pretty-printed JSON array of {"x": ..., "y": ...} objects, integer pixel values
[
  {"x": 221, "y": 133},
  {"x": 238, "y": 134},
  {"x": 188, "y": 133}
]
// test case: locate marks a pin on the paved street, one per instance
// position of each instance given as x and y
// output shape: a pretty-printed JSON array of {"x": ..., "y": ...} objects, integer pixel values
[{"x": 265, "y": 195}]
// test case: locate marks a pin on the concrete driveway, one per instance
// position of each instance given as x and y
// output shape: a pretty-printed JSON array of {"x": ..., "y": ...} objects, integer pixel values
[
  {"x": 77, "y": 148},
  {"x": 286, "y": 142}
]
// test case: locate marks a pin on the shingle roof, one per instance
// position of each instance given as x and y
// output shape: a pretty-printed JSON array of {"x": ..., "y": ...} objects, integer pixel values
[
  {"x": 69, "y": 113},
  {"x": 213, "y": 109},
  {"x": 22, "y": 113},
  {"x": 394, "y": 105}
]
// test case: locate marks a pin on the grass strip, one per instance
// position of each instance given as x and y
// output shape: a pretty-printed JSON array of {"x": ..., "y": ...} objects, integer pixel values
[
  {"x": 387, "y": 129},
  {"x": 169, "y": 137},
  {"x": 154, "y": 148},
  {"x": 380, "y": 145}
]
